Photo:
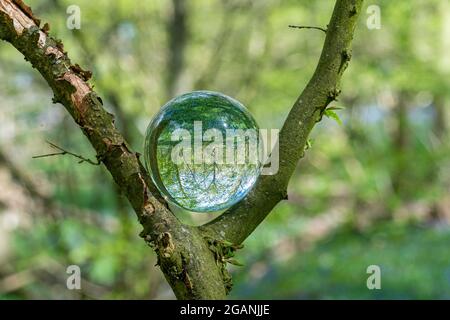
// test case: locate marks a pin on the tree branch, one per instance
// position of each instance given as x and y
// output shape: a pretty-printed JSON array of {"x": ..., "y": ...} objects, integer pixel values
[
  {"x": 237, "y": 223},
  {"x": 185, "y": 254},
  {"x": 173, "y": 242}
]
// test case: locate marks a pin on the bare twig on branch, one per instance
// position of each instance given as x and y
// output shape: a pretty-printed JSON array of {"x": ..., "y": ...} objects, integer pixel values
[
  {"x": 46, "y": 206},
  {"x": 308, "y": 27},
  {"x": 63, "y": 152}
]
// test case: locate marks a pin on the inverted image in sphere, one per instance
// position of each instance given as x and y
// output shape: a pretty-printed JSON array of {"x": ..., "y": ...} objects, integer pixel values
[{"x": 202, "y": 150}]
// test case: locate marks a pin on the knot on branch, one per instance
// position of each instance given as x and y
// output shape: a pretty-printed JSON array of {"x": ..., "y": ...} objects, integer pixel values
[
  {"x": 224, "y": 252},
  {"x": 346, "y": 57},
  {"x": 165, "y": 244},
  {"x": 172, "y": 262},
  {"x": 333, "y": 94},
  {"x": 162, "y": 244},
  {"x": 353, "y": 10},
  {"x": 46, "y": 28}
]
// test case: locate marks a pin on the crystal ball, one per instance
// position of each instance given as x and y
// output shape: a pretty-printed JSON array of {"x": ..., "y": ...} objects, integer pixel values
[{"x": 202, "y": 151}]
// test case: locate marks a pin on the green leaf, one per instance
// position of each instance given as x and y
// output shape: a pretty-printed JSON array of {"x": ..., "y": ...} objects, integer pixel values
[
  {"x": 335, "y": 108},
  {"x": 333, "y": 115},
  {"x": 309, "y": 143},
  {"x": 235, "y": 262}
]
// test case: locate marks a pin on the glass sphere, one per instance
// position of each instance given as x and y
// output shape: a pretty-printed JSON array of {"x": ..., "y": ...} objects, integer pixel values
[{"x": 202, "y": 151}]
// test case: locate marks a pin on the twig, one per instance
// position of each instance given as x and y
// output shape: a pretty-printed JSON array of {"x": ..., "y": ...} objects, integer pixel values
[
  {"x": 308, "y": 27},
  {"x": 64, "y": 152}
]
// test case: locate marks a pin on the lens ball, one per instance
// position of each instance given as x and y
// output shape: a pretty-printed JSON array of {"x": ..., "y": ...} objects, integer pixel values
[{"x": 202, "y": 151}]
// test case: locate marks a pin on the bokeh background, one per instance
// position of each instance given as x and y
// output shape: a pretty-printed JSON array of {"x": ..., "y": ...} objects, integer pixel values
[{"x": 374, "y": 190}]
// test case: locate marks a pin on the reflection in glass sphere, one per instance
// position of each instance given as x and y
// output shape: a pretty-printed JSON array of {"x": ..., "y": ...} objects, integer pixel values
[{"x": 202, "y": 151}]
